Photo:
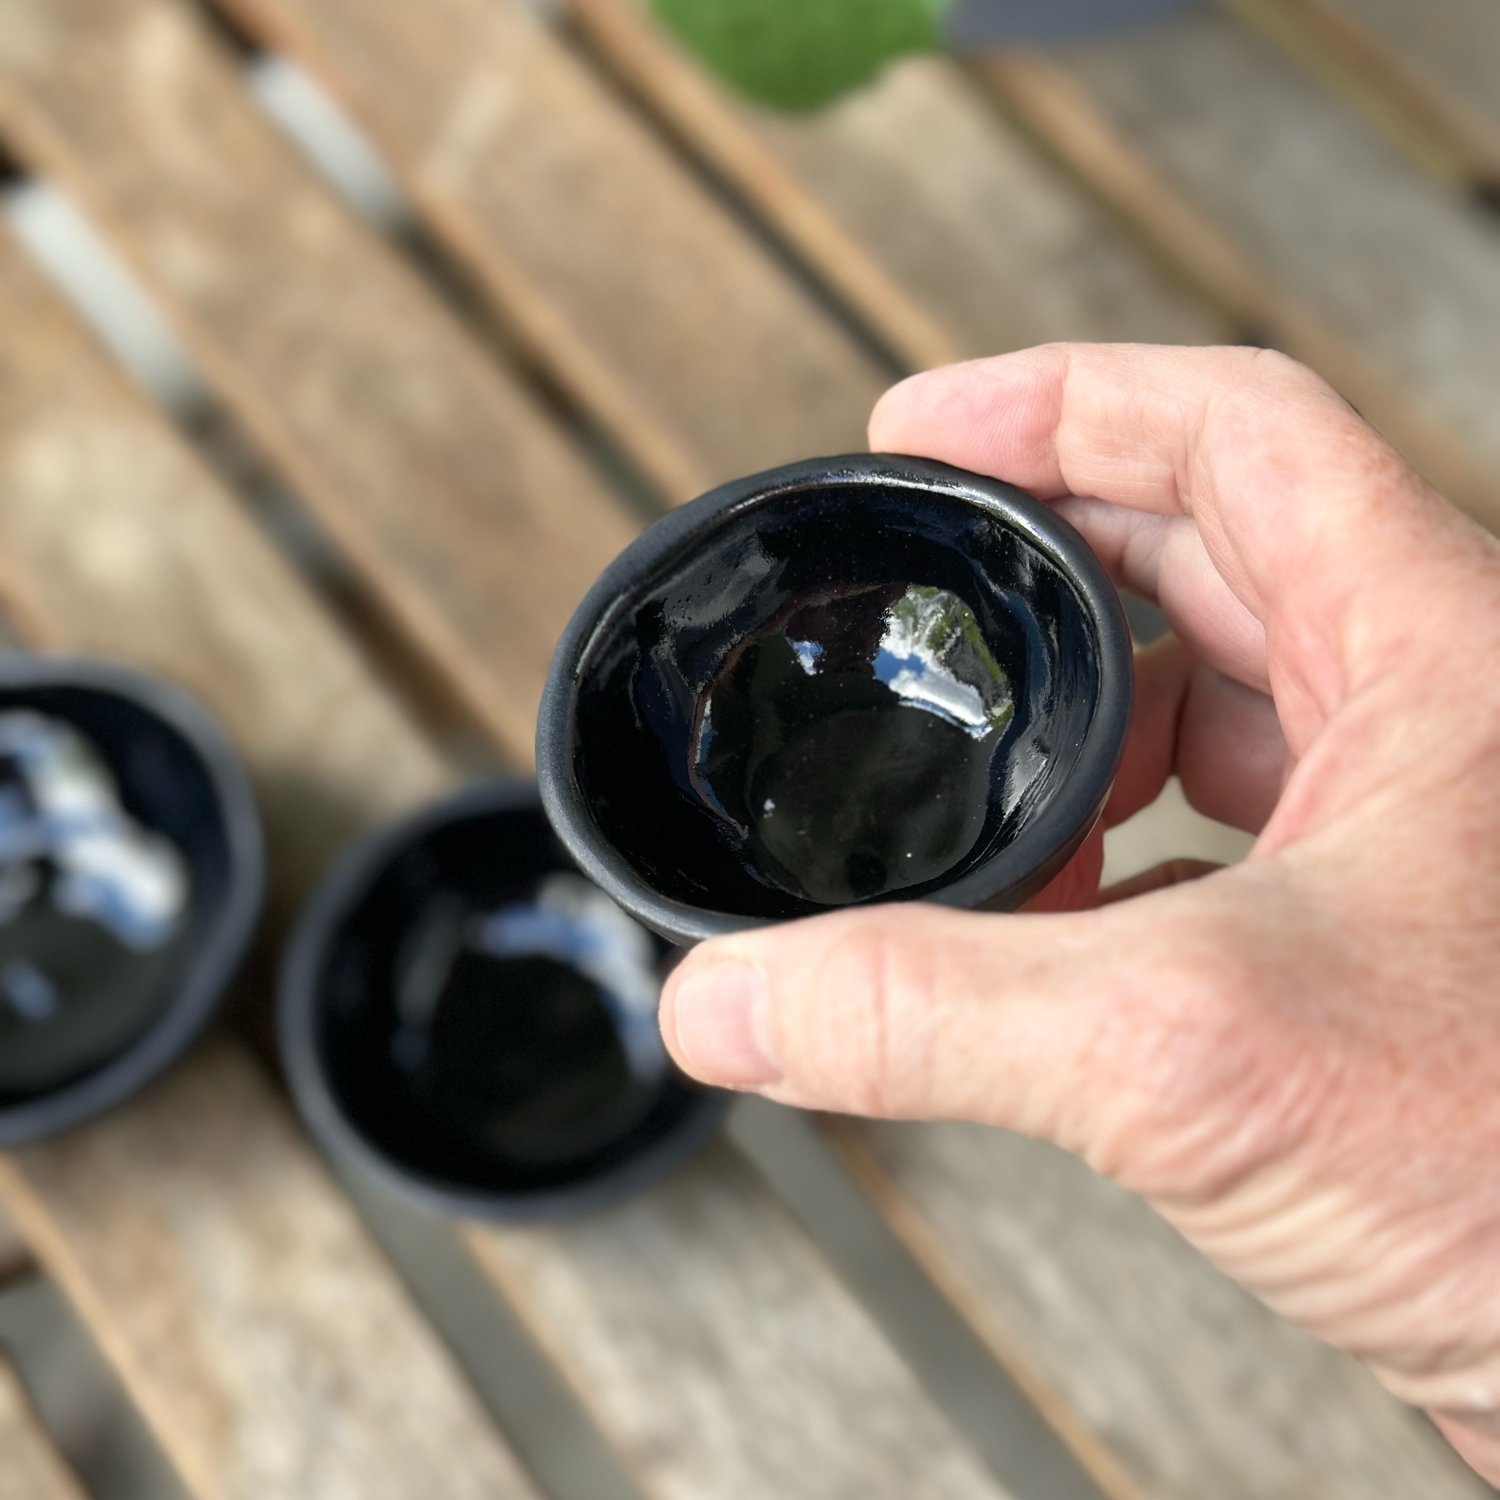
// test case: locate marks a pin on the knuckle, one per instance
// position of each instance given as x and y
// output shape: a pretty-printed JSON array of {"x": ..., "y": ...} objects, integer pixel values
[
  {"x": 1273, "y": 366},
  {"x": 1238, "y": 368},
  {"x": 1253, "y": 383},
  {"x": 867, "y": 1038}
]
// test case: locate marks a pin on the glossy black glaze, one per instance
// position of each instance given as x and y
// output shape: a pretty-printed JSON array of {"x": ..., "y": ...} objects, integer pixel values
[
  {"x": 467, "y": 1016},
  {"x": 924, "y": 673},
  {"x": 94, "y": 909},
  {"x": 131, "y": 873},
  {"x": 846, "y": 747}
]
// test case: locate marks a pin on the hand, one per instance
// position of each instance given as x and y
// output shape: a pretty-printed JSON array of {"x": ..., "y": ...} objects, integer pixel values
[{"x": 1296, "y": 1059}]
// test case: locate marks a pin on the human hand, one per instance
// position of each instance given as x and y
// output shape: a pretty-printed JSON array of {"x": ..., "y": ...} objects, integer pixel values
[{"x": 1297, "y": 1060}]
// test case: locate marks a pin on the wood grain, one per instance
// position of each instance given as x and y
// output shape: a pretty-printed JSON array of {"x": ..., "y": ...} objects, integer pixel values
[
  {"x": 769, "y": 1381},
  {"x": 951, "y": 235},
  {"x": 253, "y": 1322},
  {"x": 370, "y": 397},
  {"x": 687, "y": 339},
  {"x": 1175, "y": 1382},
  {"x": 1359, "y": 262},
  {"x": 194, "y": 1231},
  {"x": 30, "y": 1466}
]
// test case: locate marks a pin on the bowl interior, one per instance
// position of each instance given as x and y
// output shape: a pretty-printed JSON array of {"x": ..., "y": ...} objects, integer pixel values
[
  {"x": 485, "y": 1018},
  {"x": 833, "y": 695},
  {"x": 110, "y": 885}
]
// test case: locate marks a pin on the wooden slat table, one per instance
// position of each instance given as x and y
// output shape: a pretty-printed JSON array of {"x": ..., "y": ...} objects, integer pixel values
[{"x": 660, "y": 333}]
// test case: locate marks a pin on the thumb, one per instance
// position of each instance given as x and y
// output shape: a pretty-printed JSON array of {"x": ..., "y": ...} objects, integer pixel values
[{"x": 1095, "y": 1029}]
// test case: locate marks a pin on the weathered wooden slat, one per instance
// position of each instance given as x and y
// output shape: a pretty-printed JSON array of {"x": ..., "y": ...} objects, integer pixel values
[
  {"x": 253, "y": 1322},
  {"x": 804, "y": 1400},
  {"x": 193, "y": 1229},
  {"x": 1184, "y": 1386},
  {"x": 1430, "y": 74},
  {"x": 30, "y": 1466},
  {"x": 1274, "y": 192},
  {"x": 952, "y": 236},
  {"x": 685, "y": 337},
  {"x": 373, "y": 400}
]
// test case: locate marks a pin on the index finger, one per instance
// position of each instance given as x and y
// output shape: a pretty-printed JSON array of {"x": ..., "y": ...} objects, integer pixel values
[{"x": 1310, "y": 519}]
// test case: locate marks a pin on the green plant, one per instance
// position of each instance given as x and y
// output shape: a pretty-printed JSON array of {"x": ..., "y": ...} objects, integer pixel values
[{"x": 798, "y": 54}]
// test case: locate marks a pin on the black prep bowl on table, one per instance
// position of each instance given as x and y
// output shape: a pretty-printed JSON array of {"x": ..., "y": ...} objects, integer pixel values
[
  {"x": 846, "y": 680},
  {"x": 131, "y": 878},
  {"x": 470, "y": 1020}
]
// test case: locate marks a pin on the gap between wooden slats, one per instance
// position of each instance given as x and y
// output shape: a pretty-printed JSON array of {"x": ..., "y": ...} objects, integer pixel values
[
  {"x": 79, "y": 1399},
  {"x": 65, "y": 245},
  {"x": 30, "y": 1466},
  {"x": 15, "y": 1258}
]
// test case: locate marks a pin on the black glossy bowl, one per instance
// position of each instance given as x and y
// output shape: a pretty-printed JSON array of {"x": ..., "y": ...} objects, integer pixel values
[
  {"x": 93, "y": 1002},
  {"x": 847, "y": 680},
  {"x": 469, "y": 1019}
]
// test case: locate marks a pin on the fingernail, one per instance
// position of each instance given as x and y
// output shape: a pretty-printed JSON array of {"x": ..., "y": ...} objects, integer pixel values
[{"x": 719, "y": 1014}]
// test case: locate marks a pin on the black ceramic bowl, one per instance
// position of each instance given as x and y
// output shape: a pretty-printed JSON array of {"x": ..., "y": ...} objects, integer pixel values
[
  {"x": 131, "y": 877},
  {"x": 468, "y": 1018},
  {"x": 851, "y": 679}
]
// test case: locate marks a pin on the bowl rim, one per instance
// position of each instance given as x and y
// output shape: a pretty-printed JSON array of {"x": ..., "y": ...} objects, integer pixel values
[
  {"x": 230, "y": 929},
  {"x": 1007, "y": 877},
  {"x": 338, "y": 894}
]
